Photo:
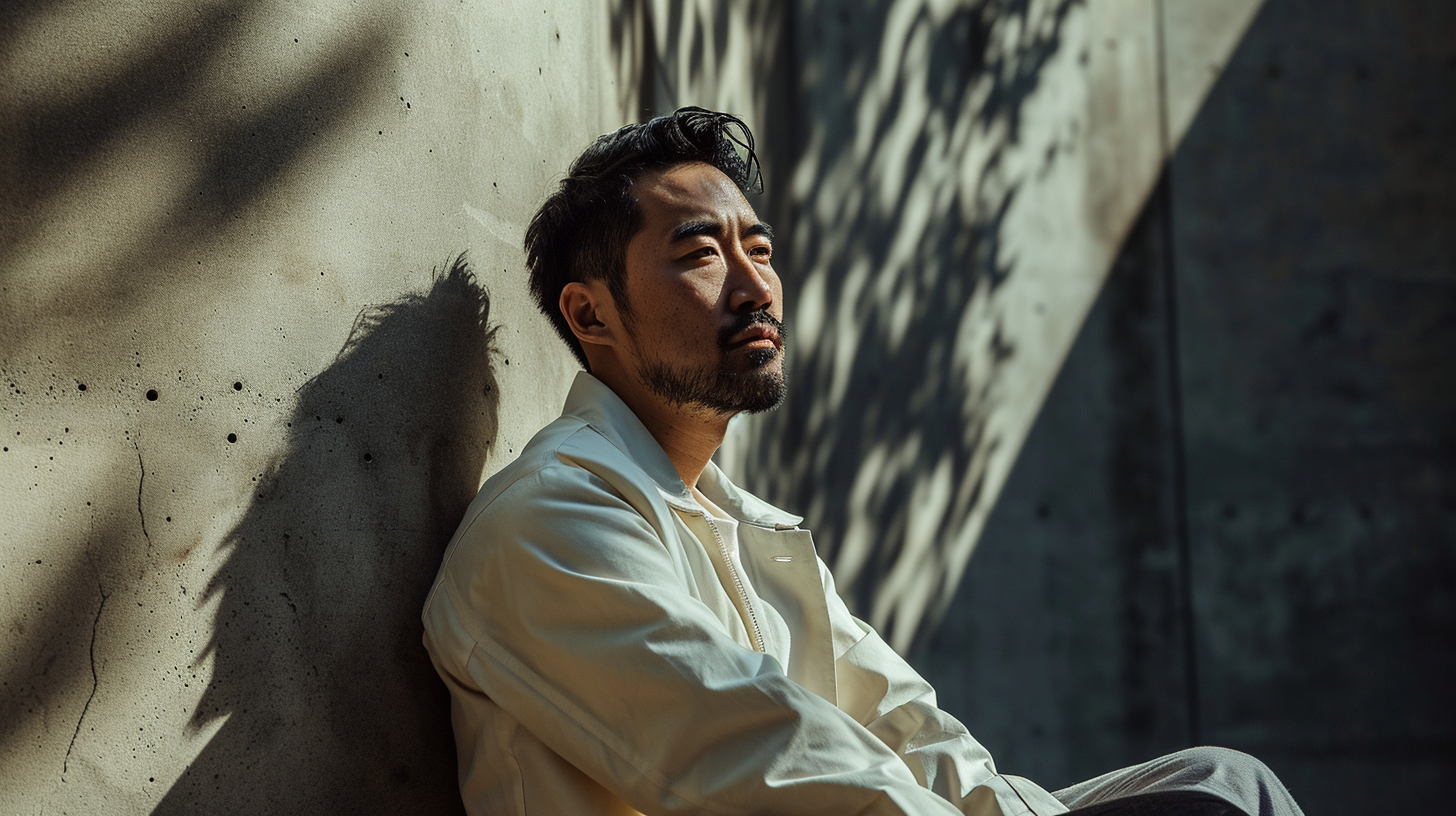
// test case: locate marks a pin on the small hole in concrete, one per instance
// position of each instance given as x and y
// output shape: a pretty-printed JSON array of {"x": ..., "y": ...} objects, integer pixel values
[
  {"x": 81, "y": 386},
  {"x": 232, "y": 437},
  {"x": 152, "y": 395},
  {"x": 237, "y": 386},
  {"x": 369, "y": 457}
]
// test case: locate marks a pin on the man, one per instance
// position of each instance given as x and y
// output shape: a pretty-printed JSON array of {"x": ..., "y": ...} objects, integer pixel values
[{"x": 621, "y": 628}]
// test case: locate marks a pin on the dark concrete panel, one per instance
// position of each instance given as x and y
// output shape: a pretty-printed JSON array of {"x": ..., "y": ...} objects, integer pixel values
[{"x": 1313, "y": 212}]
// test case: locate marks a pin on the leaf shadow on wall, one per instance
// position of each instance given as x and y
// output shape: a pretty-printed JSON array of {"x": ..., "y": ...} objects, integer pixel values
[
  {"x": 114, "y": 180},
  {"x": 900, "y": 248},
  {"x": 328, "y": 698}
]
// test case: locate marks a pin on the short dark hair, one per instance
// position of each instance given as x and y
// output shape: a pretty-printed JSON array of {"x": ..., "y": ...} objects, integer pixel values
[{"x": 582, "y": 230}]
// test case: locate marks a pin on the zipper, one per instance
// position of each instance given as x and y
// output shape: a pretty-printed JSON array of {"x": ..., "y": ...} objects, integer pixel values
[{"x": 738, "y": 584}]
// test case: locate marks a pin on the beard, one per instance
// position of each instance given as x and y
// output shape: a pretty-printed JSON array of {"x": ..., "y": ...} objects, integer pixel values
[{"x": 759, "y": 386}]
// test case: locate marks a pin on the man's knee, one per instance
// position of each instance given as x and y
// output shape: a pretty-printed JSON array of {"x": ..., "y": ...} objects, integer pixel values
[
  {"x": 1210, "y": 761},
  {"x": 1249, "y": 781}
]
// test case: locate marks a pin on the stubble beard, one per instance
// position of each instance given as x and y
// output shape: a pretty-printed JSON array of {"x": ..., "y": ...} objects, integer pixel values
[{"x": 760, "y": 386}]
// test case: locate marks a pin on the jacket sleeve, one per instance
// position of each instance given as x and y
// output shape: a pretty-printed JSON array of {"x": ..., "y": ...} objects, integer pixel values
[{"x": 580, "y": 624}]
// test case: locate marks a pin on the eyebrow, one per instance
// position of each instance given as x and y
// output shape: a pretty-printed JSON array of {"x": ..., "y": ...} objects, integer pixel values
[{"x": 692, "y": 229}]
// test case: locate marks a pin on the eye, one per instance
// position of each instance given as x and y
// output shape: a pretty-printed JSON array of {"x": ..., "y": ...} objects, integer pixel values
[{"x": 764, "y": 251}]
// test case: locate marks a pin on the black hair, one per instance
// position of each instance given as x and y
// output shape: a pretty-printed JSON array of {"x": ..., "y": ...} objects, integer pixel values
[{"x": 582, "y": 230}]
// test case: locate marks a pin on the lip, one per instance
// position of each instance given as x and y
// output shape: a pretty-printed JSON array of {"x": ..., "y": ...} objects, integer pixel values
[{"x": 759, "y": 336}]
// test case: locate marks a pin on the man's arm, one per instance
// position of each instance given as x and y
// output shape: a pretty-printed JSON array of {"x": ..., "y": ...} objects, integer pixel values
[{"x": 569, "y": 612}]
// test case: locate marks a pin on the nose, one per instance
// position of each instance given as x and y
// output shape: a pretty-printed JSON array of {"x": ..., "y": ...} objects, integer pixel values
[{"x": 751, "y": 284}]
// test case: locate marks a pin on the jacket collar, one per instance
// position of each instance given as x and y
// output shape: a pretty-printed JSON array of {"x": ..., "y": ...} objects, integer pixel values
[{"x": 591, "y": 401}]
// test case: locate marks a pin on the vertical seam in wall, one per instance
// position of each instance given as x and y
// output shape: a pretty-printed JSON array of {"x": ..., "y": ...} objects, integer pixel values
[
  {"x": 647, "y": 62},
  {"x": 1175, "y": 389}
]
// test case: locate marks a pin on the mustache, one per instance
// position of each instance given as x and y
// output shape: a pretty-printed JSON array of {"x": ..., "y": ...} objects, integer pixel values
[{"x": 748, "y": 320}]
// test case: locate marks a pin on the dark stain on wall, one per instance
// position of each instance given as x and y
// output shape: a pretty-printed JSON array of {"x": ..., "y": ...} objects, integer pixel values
[{"x": 331, "y": 703}]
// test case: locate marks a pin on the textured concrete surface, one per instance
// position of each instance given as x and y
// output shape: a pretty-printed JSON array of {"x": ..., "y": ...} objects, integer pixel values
[
  {"x": 246, "y": 396},
  {"x": 963, "y": 178},
  {"x": 1261, "y": 400},
  {"x": 1314, "y": 225}
]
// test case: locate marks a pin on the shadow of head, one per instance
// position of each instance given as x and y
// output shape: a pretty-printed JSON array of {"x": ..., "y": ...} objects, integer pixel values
[{"x": 330, "y": 700}]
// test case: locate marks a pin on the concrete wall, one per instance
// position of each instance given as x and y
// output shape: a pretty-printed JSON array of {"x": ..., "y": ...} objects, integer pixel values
[
  {"x": 1230, "y": 285},
  {"x": 246, "y": 399}
]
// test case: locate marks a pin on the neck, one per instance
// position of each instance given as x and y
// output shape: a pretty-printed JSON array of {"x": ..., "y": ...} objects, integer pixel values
[{"x": 688, "y": 435}]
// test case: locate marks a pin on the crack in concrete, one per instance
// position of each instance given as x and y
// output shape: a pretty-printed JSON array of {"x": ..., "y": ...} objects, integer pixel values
[
  {"x": 95, "y": 681},
  {"x": 140, "y": 484}
]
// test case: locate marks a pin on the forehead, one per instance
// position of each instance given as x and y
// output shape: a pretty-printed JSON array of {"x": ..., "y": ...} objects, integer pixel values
[{"x": 689, "y": 192}]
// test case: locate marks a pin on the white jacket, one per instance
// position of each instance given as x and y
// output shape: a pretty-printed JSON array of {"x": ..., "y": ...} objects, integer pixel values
[{"x": 597, "y": 664}]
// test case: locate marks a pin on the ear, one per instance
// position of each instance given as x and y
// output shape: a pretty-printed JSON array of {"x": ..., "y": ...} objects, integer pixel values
[{"x": 589, "y": 312}]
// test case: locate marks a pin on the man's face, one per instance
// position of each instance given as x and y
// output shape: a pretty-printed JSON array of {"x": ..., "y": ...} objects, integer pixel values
[{"x": 704, "y": 322}]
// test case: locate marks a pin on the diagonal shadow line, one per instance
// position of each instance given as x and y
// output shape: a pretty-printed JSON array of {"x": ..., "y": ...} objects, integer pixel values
[
  {"x": 241, "y": 161},
  {"x": 50, "y": 138},
  {"x": 15, "y": 13},
  {"x": 812, "y": 460},
  {"x": 244, "y": 160},
  {"x": 242, "y": 164}
]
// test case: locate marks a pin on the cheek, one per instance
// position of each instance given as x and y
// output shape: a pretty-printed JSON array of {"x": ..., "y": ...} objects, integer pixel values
[
  {"x": 699, "y": 297},
  {"x": 688, "y": 314}
]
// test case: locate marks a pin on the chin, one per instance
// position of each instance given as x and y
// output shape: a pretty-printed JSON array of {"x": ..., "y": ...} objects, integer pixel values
[
  {"x": 755, "y": 385},
  {"x": 762, "y": 389}
]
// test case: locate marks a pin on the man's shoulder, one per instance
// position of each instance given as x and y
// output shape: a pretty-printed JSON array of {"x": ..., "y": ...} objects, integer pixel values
[
  {"x": 568, "y": 459},
  {"x": 569, "y": 485}
]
